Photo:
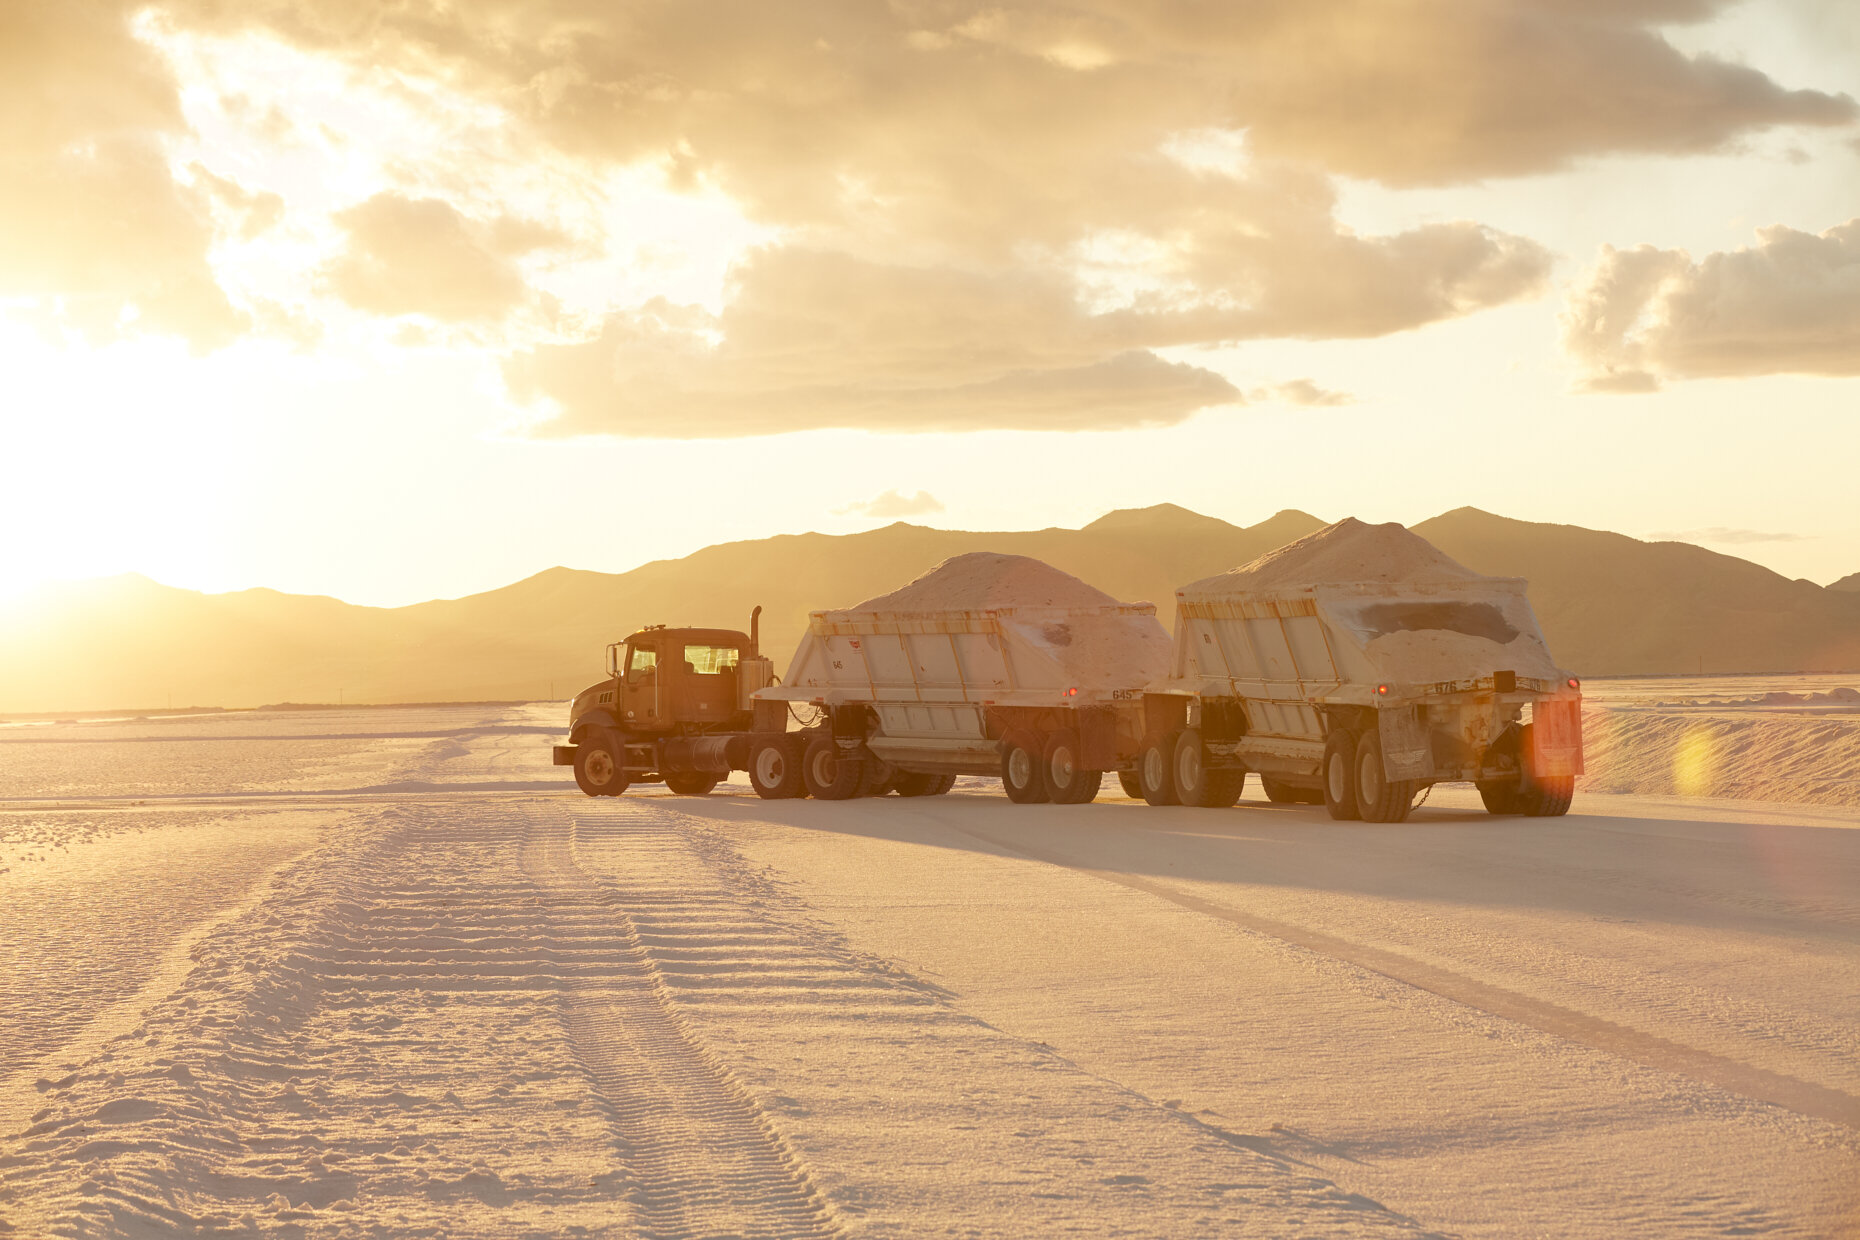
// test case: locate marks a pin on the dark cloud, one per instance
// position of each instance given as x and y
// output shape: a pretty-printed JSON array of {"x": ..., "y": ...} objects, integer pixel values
[
  {"x": 1788, "y": 305},
  {"x": 421, "y": 256}
]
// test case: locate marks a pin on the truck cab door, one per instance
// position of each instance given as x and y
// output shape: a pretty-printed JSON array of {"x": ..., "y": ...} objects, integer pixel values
[{"x": 641, "y": 699}]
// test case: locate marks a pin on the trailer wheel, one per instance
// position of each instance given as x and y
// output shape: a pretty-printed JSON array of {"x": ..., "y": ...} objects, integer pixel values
[
  {"x": 1132, "y": 784},
  {"x": 1156, "y": 769},
  {"x": 1021, "y": 769},
  {"x": 775, "y": 768},
  {"x": 691, "y": 785},
  {"x": 880, "y": 778},
  {"x": 1197, "y": 783},
  {"x": 1500, "y": 795},
  {"x": 597, "y": 765},
  {"x": 1379, "y": 798},
  {"x": 831, "y": 775},
  {"x": 1541, "y": 796},
  {"x": 1340, "y": 775},
  {"x": 924, "y": 783},
  {"x": 1066, "y": 781}
]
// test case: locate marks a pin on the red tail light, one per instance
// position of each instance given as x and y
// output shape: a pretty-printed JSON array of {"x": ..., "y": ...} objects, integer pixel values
[
  {"x": 1383, "y": 690},
  {"x": 1574, "y": 683}
]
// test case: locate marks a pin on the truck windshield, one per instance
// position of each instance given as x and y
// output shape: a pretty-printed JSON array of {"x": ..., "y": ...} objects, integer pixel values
[
  {"x": 1472, "y": 619},
  {"x": 709, "y": 660},
  {"x": 642, "y": 663}
]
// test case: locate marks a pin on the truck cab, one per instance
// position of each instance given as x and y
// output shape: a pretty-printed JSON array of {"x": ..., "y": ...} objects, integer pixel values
[{"x": 676, "y": 706}]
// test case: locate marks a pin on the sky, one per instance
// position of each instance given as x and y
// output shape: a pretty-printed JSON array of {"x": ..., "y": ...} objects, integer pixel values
[{"x": 411, "y": 301}]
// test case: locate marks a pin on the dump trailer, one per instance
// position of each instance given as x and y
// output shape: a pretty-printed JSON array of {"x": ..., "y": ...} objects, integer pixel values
[
  {"x": 677, "y": 707},
  {"x": 1048, "y": 698},
  {"x": 1360, "y": 695}
]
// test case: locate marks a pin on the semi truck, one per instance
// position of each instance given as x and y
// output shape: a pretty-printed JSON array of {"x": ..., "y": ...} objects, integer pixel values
[
  {"x": 1047, "y": 695},
  {"x": 1360, "y": 693}
]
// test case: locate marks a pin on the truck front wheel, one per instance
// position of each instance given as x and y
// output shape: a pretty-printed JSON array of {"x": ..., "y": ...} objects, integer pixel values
[
  {"x": 597, "y": 766},
  {"x": 830, "y": 774},
  {"x": 1340, "y": 776}
]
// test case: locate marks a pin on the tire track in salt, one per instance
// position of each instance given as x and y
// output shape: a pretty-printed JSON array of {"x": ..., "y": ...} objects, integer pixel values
[{"x": 706, "y": 1159}]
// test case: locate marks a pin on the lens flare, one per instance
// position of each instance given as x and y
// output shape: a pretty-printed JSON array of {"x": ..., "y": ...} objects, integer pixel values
[{"x": 1693, "y": 763}]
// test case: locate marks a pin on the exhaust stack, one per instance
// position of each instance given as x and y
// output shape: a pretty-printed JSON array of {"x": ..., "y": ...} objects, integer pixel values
[{"x": 755, "y": 632}]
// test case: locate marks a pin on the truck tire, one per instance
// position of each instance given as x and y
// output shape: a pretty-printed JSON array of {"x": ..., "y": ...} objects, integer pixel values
[
  {"x": 691, "y": 785},
  {"x": 1548, "y": 797},
  {"x": 1379, "y": 798},
  {"x": 879, "y": 778},
  {"x": 1066, "y": 782},
  {"x": 775, "y": 768},
  {"x": 1500, "y": 795},
  {"x": 597, "y": 765},
  {"x": 830, "y": 773},
  {"x": 1339, "y": 775},
  {"x": 1197, "y": 783},
  {"x": 1156, "y": 769},
  {"x": 924, "y": 783},
  {"x": 1131, "y": 783},
  {"x": 1023, "y": 775}
]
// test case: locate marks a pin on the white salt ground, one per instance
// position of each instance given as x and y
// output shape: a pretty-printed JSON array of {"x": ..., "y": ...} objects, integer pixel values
[
  {"x": 1346, "y": 553},
  {"x": 984, "y": 579}
]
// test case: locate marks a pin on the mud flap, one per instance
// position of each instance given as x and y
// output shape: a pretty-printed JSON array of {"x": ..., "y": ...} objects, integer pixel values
[
  {"x": 1556, "y": 738},
  {"x": 1406, "y": 753},
  {"x": 1097, "y": 739}
]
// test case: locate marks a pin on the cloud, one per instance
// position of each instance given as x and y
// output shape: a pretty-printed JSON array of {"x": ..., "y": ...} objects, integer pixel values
[
  {"x": 1301, "y": 392},
  {"x": 812, "y": 339},
  {"x": 893, "y": 504},
  {"x": 90, "y": 215},
  {"x": 421, "y": 256},
  {"x": 1725, "y": 535},
  {"x": 1788, "y": 305}
]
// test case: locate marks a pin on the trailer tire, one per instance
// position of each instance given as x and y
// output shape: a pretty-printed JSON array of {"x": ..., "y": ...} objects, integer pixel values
[
  {"x": 597, "y": 765},
  {"x": 1132, "y": 784},
  {"x": 924, "y": 783},
  {"x": 1023, "y": 774},
  {"x": 1379, "y": 798},
  {"x": 1499, "y": 795},
  {"x": 1339, "y": 774},
  {"x": 691, "y": 785},
  {"x": 1156, "y": 769},
  {"x": 1197, "y": 783},
  {"x": 1066, "y": 782},
  {"x": 1548, "y": 797},
  {"x": 830, "y": 774},
  {"x": 775, "y": 767},
  {"x": 879, "y": 778}
]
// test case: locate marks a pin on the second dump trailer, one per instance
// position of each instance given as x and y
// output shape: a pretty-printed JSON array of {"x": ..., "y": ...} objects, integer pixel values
[{"x": 1355, "y": 668}]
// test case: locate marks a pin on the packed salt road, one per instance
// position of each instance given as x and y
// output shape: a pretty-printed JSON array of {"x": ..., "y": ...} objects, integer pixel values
[{"x": 388, "y": 973}]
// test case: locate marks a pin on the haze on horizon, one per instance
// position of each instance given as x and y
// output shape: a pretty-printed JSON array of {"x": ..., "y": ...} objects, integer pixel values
[{"x": 395, "y": 304}]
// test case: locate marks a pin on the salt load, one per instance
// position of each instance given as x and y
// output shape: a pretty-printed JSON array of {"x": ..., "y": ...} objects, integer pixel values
[
  {"x": 987, "y": 664},
  {"x": 1357, "y": 666}
]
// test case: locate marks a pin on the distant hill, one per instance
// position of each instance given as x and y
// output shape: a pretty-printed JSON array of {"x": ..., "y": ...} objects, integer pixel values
[
  {"x": 1609, "y": 605},
  {"x": 1848, "y": 584}
]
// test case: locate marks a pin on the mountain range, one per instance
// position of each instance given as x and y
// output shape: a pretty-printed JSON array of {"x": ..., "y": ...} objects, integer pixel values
[{"x": 1609, "y": 604}]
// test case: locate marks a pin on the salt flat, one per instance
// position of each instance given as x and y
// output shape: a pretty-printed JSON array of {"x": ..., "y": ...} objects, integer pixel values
[{"x": 387, "y": 973}]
